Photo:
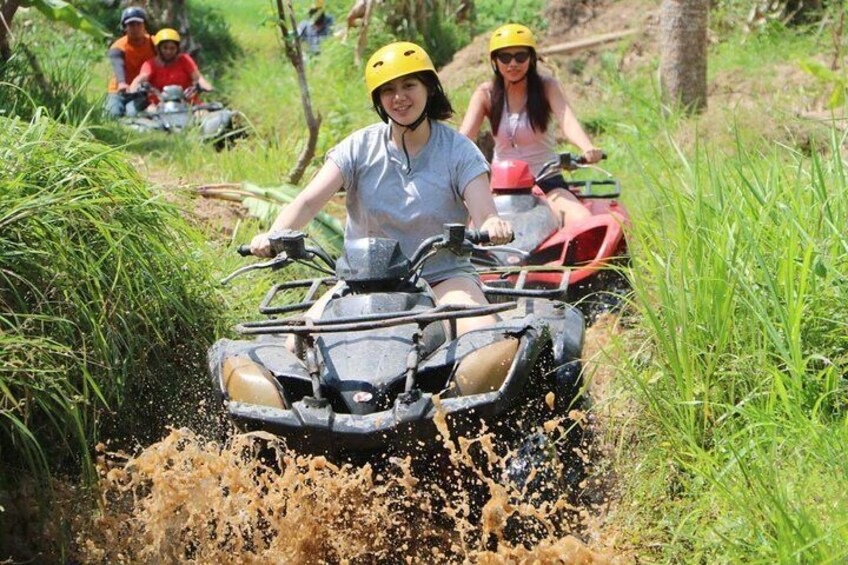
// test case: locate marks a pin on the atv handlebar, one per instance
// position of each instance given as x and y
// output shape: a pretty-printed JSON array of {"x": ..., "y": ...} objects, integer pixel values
[
  {"x": 288, "y": 246},
  {"x": 567, "y": 162},
  {"x": 571, "y": 161},
  {"x": 478, "y": 237}
]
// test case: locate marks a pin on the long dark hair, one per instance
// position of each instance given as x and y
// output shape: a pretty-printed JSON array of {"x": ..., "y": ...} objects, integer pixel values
[
  {"x": 538, "y": 107},
  {"x": 438, "y": 106}
]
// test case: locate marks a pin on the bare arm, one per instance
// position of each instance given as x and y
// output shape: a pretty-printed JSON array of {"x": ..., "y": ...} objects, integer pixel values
[
  {"x": 200, "y": 80},
  {"x": 142, "y": 77},
  {"x": 303, "y": 208},
  {"x": 481, "y": 206},
  {"x": 571, "y": 128},
  {"x": 478, "y": 110}
]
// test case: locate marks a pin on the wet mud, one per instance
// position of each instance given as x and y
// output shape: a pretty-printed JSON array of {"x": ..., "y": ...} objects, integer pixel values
[{"x": 251, "y": 500}]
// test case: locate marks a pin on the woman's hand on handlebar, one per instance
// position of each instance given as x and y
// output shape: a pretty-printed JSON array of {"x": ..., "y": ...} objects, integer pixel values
[
  {"x": 500, "y": 231},
  {"x": 593, "y": 155},
  {"x": 260, "y": 245}
]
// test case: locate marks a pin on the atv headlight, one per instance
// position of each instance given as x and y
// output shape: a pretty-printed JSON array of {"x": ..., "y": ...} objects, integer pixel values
[{"x": 247, "y": 381}]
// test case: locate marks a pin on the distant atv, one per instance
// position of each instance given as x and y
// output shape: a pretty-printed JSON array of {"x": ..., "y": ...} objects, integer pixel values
[{"x": 175, "y": 113}]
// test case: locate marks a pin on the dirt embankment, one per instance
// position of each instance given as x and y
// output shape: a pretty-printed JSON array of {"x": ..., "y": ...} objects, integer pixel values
[{"x": 567, "y": 21}]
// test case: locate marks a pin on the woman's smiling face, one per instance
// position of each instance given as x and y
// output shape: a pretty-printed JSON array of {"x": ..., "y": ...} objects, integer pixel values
[
  {"x": 510, "y": 63},
  {"x": 404, "y": 99},
  {"x": 168, "y": 50}
]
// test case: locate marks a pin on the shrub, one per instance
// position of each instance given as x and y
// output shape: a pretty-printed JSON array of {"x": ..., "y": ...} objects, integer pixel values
[{"x": 103, "y": 293}]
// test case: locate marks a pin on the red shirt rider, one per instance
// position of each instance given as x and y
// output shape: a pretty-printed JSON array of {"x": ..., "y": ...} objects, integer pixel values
[{"x": 179, "y": 71}]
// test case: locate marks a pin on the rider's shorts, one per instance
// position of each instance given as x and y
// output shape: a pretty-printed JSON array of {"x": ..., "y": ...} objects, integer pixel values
[{"x": 550, "y": 183}]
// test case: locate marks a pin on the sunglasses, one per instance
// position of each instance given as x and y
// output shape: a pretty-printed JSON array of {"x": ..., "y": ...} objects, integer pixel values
[{"x": 519, "y": 57}]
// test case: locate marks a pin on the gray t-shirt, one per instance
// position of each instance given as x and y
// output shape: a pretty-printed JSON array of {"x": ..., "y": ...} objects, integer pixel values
[{"x": 387, "y": 199}]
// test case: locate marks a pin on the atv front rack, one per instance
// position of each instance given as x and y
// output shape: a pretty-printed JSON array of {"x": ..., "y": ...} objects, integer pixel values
[
  {"x": 298, "y": 325},
  {"x": 586, "y": 188},
  {"x": 314, "y": 285},
  {"x": 517, "y": 287}
]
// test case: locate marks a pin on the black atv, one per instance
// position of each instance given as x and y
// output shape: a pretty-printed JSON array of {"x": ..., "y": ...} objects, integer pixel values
[{"x": 383, "y": 362}]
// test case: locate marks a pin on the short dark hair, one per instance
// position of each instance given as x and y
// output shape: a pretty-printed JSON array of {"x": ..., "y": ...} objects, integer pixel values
[{"x": 438, "y": 106}]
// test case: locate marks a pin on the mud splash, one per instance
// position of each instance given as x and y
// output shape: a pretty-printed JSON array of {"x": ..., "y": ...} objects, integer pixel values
[{"x": 251, "y": 500}]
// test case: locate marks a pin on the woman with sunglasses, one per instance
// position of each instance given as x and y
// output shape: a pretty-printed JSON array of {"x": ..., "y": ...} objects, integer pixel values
[
  {"x": 406, "y": 177},
  {"x": 519, "y": 103}
]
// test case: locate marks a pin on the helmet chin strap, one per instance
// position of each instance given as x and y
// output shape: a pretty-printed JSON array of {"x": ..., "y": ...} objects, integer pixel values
[
  {"x": 415, "y": 124},
  {"x": 409, "y": 127}
]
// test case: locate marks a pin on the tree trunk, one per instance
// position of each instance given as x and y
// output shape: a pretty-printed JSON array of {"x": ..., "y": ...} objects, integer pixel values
[
  {"x": 362, "y": 41},
  {"x": 295, "y": 55},
  {"x": 7, "y": 12},
  {"x": 683, "y": 52}
]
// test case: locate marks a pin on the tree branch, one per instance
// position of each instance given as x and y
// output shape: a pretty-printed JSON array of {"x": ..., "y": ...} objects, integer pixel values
[
  {"x": 7, "y": 12},
  {"x": 295, "y": 55}
]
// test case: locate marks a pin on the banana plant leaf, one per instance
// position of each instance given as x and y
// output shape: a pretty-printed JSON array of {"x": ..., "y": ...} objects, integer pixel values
[
  {"x": 61, "y": 11},
  {"x": 264, "y": 203}
]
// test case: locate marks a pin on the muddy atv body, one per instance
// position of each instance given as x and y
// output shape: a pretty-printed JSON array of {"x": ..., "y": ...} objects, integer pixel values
[
  {"x": 383, "y": 362},
  {"x": 175, "y": 114},
  {"x": 574, "y": 259}
]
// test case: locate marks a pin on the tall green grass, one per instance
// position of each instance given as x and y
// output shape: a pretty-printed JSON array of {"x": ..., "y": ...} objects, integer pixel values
[
  {"x": 105, "y": 297},
  {"x": 740, "y": 291}
]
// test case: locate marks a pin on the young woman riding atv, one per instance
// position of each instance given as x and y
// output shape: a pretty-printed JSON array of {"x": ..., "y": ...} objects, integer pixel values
[
  {"x": 406, "y": 177},
  {"x": 169, "y": 67},
  {"x": 519, "y": 103}
]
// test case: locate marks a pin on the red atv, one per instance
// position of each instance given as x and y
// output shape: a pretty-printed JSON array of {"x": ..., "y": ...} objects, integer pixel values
[{"x": 548, "y": 259}]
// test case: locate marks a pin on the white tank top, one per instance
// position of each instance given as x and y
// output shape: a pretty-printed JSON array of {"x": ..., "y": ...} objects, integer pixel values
[{"x": 516, "y": 139}]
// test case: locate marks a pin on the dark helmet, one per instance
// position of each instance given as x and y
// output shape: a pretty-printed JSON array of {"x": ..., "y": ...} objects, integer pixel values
[{"x": 133, "y": 14}]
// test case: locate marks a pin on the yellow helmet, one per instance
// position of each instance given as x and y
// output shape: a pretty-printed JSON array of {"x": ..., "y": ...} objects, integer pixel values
[
  {"x": 393, "y": 61},
  {"x": 166, "y": 34},
  {"x": 512, "y": 35}
]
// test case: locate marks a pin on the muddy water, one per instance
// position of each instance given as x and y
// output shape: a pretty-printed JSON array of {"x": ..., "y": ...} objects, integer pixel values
[{"x": 250, "y": 500}]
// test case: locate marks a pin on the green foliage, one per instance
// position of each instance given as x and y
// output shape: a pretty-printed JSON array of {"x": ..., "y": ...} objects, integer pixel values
[
  {"x": 50, "y": 67},
  {"x": 835, "y": 82},
  {"x": 60, "y": 11},
  {"x": 443, "y": 38},
  {"x": 105, "y": 297},
  {"x": 264, "y": 203},
  {"x": 492, "y": 14},
  {"x": 745, "y": 348},
  {"x": 211, "y": 32}
]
